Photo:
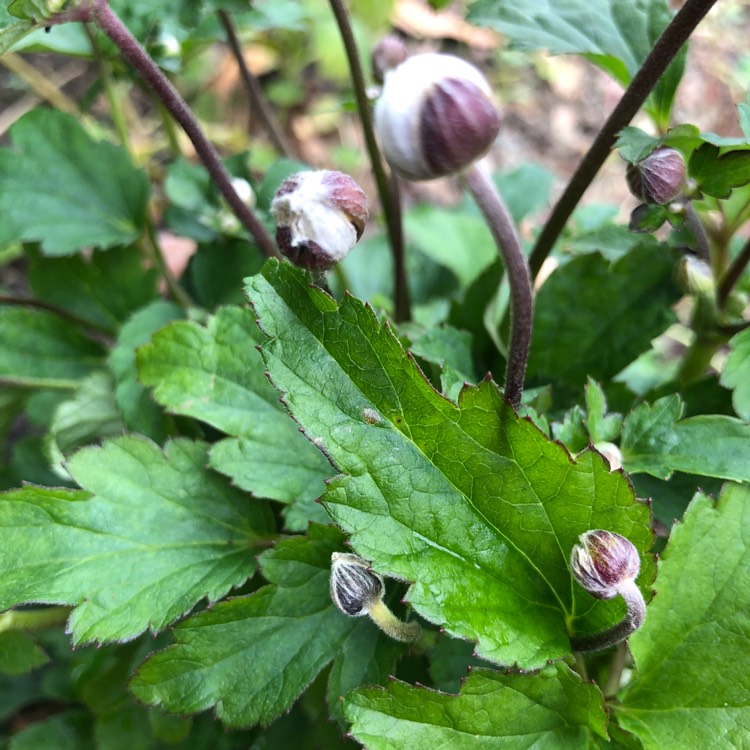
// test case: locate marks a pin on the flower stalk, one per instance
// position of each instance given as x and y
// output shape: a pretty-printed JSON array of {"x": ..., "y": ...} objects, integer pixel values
[{"x": 503, "y": 230}]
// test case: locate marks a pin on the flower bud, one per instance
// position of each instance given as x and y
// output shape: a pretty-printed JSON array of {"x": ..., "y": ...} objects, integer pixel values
[
  {"x": 659, "y": 178},
  {"x": 435, "y": 116},
  {"x": 612, "y": 453},
  {"x": 319, "y": 216},
  {"x": 604, "y": 562},
  {"x": 387, "y": 54},
  {"x": 355, "y": 588}
]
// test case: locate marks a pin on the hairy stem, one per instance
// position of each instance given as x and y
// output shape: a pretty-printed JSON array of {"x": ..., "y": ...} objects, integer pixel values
[
  {"x": 662, "y": 54},
  {"x": 406, "y": 632},
  {"x": 732, "y": 275},
  {"x": 401, "y": 287},
  {"x": 391, "y": 209},
  {"x": 504, "y": 232},
  {"x": 133, "y": 52},
  {"x": 258, "y": 101},
  {"x": 633, "y": 620},
  {"x": 33, "y": 619}
]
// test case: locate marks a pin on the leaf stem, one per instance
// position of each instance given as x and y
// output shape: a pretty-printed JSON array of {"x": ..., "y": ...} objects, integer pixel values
[
  {"x": 136, "y": 55},
  {"x": 258, "y": 101},
  {"x": 389, "y": 201},
  {"x": 732, "y": 275},
  {"x": 663, "y": 52},
  {"x": 60, "y": 311},
  {"x": 153, "y": 250},
  {"x": 633, "y": 620},
  {"x": 33, "y": 619},
  {"x": 503, "y": 230}
]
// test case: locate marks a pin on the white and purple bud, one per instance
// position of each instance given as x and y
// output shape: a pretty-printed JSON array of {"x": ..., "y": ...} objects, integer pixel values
[
  {"x": 435, "y": 116},
  {"x": 319, "y": 217},
  {"x": 355, "y": 588},
  {"x": 659, "y": 178},
  {"x": 604, "y": 562}
]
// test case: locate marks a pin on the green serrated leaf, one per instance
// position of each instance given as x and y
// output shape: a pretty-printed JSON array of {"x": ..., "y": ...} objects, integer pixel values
[
  {"x": 103, "y": 288},
  {"x": 251, "y": 657},
  {"x": 601, "y": 426},
  {"x": 647, "y": 218},
  {"x": 138, "y": 409},
  {"x": 35, "y": 10},
  {"x": 612, "y": 313},
  {"x": 214, "y": 374},
  {"x": 717, "y": 173},
  {"x": 572, "y": 430},
  {"x": 13, "y": 33},
  {"x": 90, "y": 414},
  {"x": 553, "y": 709},
  {"x": 469, "y": 502},
  {"x": 736, "y": 373},
  {"x": 154, "y": 534},
  {"x": 65, "y": 190},
  {"x": 20, "y": 653},
  {"x": 450, "y": 349},
  {"x": 655, "y": 440},
  {"x": 70, "y": 729},
  {"x": 617, "y": 37},
  {"x": 39, "y": 349},
  {"x": 693, "y": 665}
]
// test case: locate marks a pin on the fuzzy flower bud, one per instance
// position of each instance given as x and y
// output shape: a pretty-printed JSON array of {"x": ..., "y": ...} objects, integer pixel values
[
  {"x": 659, "y": 178},
  {"x": 604, "y": 562},
  {"x": 357, "y": 590},
  {"x": 354, "y": 586},
  {"x": 435, "y": 116},
  {"x": 387, "y": 54},
  {"x": 319, "y": 217}
]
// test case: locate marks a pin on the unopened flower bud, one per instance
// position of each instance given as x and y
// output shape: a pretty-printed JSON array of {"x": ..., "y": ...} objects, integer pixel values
[
  {"x": 612, "y": 453},
  {"x": 355, "y": 588},
  {"x": 387, "y": 54},
  {"x": 604, "y": 562},
  {"x": 659, "y": 178},
  {"x": 695, "y": 276},
  {"x": 319, "y": 217},
  {"x": 435, "y": 116}
]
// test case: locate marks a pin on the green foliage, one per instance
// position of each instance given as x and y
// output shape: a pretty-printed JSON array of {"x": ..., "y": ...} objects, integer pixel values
[
  {"x": 656, "y": 440},
  {"x": 695, "y": 639},
  {"x": 154, "y": 534},
  {"x": 251, "y": 657},
  {"x": 409, "y": 497},
  {"x": 65, "y": 190},
  {"x": 612, "y": 311},
  {"x": 615, "y": 37},
  {"x": 550, "y": 709},
  {"x": 181, "y": 466}
]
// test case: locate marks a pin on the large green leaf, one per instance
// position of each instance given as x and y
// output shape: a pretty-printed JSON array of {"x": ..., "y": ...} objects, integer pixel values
[
  {"x": 718, "y": 172},
  {"x": 736, "y": 373},
  {"x": 655, "y": 440},
  {"x": 154, "y": 534},
  {"x": 550, "y": 710},
  {"x": 593, "y": 318},
  {"x": 103, "y": 288},
  {"x": 469, "y": 502},
  {"x": 214, "y": 373},
  {"x": 614, "y": 35},
  {"x": 39, "y": 349},
  {"x": 693, "y": 664},
  {"x": 65, "y": 190},
  {"x": 138, "y": 408},
  {"x": 251, "y": 657}
]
